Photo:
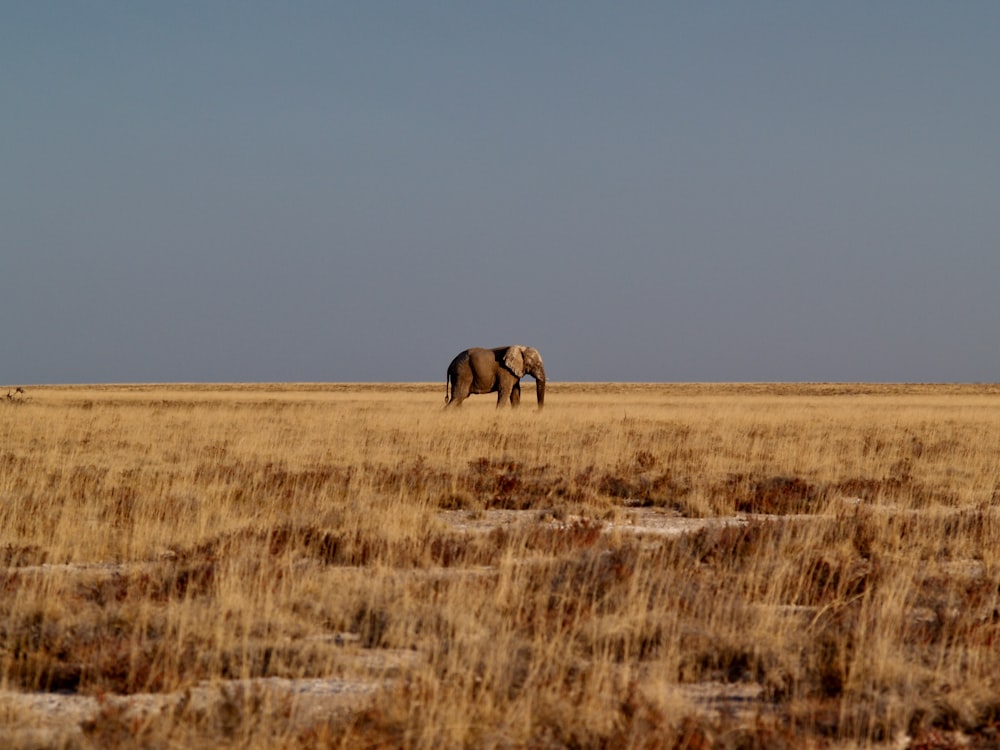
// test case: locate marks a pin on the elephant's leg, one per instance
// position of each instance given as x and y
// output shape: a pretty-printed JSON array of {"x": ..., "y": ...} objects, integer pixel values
[
  {"x": 460, "y": 393},
  {"x": 515, "y": 394},
  {"x": 505, "y": 387},
  {"x": 460, "y": 388}
]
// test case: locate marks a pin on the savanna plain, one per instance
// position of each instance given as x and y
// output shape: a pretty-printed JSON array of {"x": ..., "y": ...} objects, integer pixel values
[{"x": 637, "y": 566}]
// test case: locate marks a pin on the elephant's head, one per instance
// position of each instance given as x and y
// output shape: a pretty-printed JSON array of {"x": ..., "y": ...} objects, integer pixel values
[{"x": 526, "y": 359}]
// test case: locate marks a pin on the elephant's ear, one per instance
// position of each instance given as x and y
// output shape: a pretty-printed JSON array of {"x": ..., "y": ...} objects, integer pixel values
[
  {"x": 532, "y": 359},
  {"x": 513, "y": 360}
]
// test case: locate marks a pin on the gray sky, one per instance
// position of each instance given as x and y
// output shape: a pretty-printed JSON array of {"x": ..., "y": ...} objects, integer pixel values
[{"x": 355, "y": 191}]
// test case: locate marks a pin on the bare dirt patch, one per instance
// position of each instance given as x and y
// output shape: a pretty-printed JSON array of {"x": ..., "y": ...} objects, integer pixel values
[
  {"x": 52, "y": 719},
  {"x": 652, "y": 521}
]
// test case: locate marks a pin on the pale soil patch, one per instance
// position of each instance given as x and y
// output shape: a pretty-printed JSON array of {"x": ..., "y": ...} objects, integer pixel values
[
  {"x": 29, "y": 720},
  {"x": 50, "y": 719},
  {"x": 654, "y": 521},
  {"x": 721, "y": 699}
]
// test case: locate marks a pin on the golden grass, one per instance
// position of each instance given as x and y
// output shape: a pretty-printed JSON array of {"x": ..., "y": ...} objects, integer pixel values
[{"x": 160, "y": 538}]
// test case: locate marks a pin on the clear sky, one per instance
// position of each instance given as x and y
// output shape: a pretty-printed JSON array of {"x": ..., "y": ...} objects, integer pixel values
[{"x": 355, "y": 191}]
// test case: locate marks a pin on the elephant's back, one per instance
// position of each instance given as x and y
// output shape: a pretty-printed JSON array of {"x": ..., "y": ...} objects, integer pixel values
[{"x": 458, "y": 360}]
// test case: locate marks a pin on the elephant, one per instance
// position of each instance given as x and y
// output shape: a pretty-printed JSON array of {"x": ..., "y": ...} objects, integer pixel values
[{"x": 487, "y": 370}]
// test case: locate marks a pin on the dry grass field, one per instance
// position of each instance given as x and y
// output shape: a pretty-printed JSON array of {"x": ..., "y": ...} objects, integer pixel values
[{"x": 679, "y": 566}]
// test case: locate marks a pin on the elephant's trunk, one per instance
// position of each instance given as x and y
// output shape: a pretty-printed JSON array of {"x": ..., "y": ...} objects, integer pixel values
[{"x": 539, "y": 376}]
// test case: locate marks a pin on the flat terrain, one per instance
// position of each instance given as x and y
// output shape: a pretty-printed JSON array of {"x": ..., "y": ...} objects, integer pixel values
[{"x": 638, "y": 565}]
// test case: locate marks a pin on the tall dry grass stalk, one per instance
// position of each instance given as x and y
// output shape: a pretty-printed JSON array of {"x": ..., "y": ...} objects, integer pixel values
[{"x": 505, "y": 578}]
